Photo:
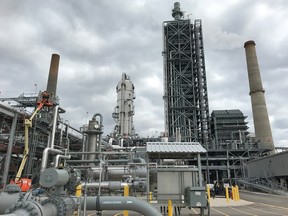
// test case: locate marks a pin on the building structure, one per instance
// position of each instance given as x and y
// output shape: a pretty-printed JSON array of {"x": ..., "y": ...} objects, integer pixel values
[
  {"x": 185, "y": 89},
  {"x": 229, "y": 129}
]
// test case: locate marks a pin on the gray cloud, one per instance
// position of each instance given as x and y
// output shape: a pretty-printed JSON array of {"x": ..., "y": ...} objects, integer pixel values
[{"x": 99, "y": 40}]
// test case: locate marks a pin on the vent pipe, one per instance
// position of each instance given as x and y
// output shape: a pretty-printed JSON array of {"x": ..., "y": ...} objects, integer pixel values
[
  {"x": 260, "y": 114},
  {"x": 176, "y": 12}
]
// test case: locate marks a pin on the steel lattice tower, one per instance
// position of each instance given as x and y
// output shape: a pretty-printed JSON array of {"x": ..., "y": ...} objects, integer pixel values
[{"x": 185, "y": 88}]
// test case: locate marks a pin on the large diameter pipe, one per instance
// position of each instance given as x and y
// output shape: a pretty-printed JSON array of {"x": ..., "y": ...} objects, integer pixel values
[
  {"x": 7, "y": 199},
  {"x": 120, "y": 203},
  {"x": 53, "y": 75},
  {"x": 45, "y": 154},
  {"x": 9, "y": 150},
  {"x": 111, "y": 185},
  {"x": 58, "y": 157},
  {"x": 66, "y": 205},
  {"x": 259, "y": 109},
  {"x": 25, "y": 208}
]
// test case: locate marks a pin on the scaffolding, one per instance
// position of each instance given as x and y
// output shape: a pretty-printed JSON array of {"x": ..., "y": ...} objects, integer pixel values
[{"x": 185, "y": 89}]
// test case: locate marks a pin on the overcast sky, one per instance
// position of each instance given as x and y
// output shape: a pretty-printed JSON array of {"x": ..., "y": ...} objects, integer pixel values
[{"x": 99, "y": 40}]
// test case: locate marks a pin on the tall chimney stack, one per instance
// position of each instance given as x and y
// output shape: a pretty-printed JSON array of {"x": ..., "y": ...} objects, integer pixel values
[
  {"x": 259, "y": 109},
  {"x": 53, "y": 75}
]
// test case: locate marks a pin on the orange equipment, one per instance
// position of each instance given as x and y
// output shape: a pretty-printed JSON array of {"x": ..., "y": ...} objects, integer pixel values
[{"x": 43, "y": 100}]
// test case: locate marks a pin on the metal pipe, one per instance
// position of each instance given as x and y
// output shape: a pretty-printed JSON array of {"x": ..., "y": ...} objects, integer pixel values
[
  {"x": 117, "y": 172},
  {"x": 199, "y": 170},
  {"x": 25, "y": 208},
  {"x": 97, "y": 161},
  {"x": 58, "y": 157},
  {"x": 51, "y": 144},
  {"x": 50, "y": 209},
  {"x": 9, "y": 150},
  {"x": 7, "y": 199},
  {"x": 45, "y": 154},
  {"x": 111, "y": 185},
  {"x": 121, "y": 203}
]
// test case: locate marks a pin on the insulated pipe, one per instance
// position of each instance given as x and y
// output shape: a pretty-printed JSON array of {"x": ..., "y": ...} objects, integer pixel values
[
  {"x": 111, "y": 185},
  {"x": 117, "y": 172},
  {"x": 120, "y": 203},
  {"x": 7, "y": 199},
  {"x": 65, "y": 206},
  {"x": 51, "y": 141},
  {"x": 45, "y": 154},
  {"x": 53, "y": 75},
  {"x": 25, "y": 208},
  {"x": 58, "y": 157},
  {"x": 260, "y": 113},
  {"x": 9, "y": 150},
  {"x": 97, "y": 161}
]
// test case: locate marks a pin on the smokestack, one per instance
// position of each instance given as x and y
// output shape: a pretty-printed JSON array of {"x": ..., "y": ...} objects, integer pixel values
[
  {"x": 176, "y": 12},
  {"x": 53, "y": 75},
  {"x": 259, "y": 109}
]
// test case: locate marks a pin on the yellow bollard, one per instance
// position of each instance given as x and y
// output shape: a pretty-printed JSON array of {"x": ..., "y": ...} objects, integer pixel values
[
  {"x": 78, "y": 192},
  {"x": 233, "y": 192},
  {"x": 150, "y": 197},
  {"x": 237, "y": 189},
  {"x": 170, "y": 208},
  {"x": 238, "y": 194},
  {"x": 126, "y": 193},
  {"x": 208, "y": 192},
  {"x": 227, "y": 194}
]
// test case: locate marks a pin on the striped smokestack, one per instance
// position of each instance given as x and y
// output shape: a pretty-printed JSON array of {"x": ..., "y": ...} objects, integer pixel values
[
  {"x": 259, "y": 109},
  {"x": 53, "y": 75}
]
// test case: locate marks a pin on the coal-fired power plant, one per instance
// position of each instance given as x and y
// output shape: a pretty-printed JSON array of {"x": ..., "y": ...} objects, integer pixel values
[
  {"x": 51, "y": 168},
  {"x": 260, "y": 114}
]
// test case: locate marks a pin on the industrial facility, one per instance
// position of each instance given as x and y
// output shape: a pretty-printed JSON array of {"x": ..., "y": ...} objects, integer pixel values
[{"x": 49, "y": 167}]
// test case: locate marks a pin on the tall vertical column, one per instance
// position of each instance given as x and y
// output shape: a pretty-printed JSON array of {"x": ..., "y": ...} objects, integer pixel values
[
  {"x": 53, "y": 75},
  {"x": 124, "y": 111},
  {"x": 259, "y": 109}
]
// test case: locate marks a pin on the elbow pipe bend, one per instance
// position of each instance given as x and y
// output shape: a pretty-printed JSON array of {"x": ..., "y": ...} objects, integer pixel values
[
  {"x": 120, "y": 203},
  {"x": 45, "y": 154},
  {"x": 58, "y": 157}
]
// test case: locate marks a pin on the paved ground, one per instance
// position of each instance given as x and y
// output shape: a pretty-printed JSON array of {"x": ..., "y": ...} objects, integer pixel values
[{"x": 255, "y": 204}]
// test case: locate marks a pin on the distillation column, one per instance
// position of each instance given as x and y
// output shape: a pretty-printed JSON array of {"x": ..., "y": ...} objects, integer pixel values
[
  {"x": 259, "y": 109},
  {"x": 124, "y": 110}
]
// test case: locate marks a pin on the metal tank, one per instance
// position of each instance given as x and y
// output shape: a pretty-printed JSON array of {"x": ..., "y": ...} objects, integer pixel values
[{"x": 259, "y": 109}]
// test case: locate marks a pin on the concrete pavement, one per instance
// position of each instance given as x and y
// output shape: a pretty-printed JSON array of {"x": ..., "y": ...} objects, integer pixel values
[{"x": 222, "y": 202}]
